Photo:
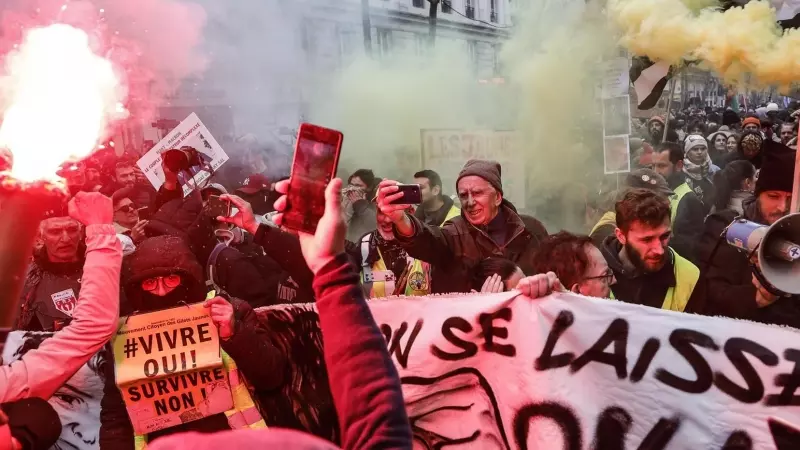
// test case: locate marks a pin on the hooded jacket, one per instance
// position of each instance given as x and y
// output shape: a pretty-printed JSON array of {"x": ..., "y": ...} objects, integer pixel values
[
  {"x": 458, "y": 247},
  {"x": 727, "y": 276},
  {"x": 255, "y": 355},
  {"x": 44, "y": 370}
]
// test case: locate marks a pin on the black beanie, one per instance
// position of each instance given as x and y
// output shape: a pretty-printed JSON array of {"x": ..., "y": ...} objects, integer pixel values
[
  {"x": 777, "y": 171},
  {"x": 488, "y": 170}
]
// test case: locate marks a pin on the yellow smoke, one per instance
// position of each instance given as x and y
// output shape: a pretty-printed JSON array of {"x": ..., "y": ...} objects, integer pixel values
[
  {"x": 552, "y": 64},
  {"x": 742, "y": 45}
]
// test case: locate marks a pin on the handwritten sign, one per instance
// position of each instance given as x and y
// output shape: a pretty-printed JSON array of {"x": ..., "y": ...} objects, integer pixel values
[
  {"x": 169, "y": 369},
  {"x": 191, "y": 132},
  {"x": 446, "y": 151}
]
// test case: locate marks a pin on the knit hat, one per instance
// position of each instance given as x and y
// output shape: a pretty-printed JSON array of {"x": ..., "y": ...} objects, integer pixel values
[
  {"x": 694, "y": 140},
  {"x": 488, "y": 170},
  {"x": 729, "y": 117},
  {"x": 777, "y": 171},
  {"x": 655, "y": 119},
  {"x": 749, "y": 120}
]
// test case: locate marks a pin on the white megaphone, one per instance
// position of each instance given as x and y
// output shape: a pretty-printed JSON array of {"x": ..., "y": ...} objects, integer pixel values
[{"x": 778, "y": 248}]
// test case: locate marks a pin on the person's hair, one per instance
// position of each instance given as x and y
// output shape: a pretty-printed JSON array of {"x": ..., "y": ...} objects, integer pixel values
[
  {"x": 120, "y": 194},
  {"x": 366, "y": 175},
  {"x": 676, "y": 152},
  {"x": 124, "y": 164},
  {"x": 433, "y": 178},
  {"x": 789, "y": 124},
  {"x": 697, "y": 124},
  {"x": 564, "y": 254},
  {"x": 730, "y": 179},
  {"x": 492, "y": 266},
  {"x": 642, "y": 205}
]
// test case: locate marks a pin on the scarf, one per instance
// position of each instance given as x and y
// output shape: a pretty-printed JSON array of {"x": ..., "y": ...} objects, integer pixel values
[{"x": 697, "y": 171}]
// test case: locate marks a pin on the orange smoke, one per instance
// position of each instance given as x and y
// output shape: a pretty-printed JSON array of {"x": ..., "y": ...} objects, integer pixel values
[{"x": 58, "y": 97}]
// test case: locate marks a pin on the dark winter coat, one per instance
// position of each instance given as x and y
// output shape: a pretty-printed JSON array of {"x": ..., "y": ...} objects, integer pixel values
[
  {"x": 726, "y": 276},
  {"x": 458, "y": 247},
  {"x": 38, "y": 311}
]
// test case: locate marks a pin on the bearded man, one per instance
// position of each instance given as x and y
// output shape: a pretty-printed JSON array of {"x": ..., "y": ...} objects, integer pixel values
[{"x": 647, "y": 270}]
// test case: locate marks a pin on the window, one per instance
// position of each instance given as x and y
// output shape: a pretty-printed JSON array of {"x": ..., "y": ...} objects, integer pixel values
[
  {"x": 470, "y": 10},
  {"x": 418, "y": 3},
  {"x": 493, "y": 11},
  {"x": 447, "y": 7}
]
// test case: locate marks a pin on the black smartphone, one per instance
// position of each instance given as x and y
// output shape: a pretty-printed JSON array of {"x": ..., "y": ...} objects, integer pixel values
[
  {"x": 412, "y": 195},
  {"x": 316, "y": 158},
  {"x": 216, "y": 207},
  {"x": 144, "y": 213}
]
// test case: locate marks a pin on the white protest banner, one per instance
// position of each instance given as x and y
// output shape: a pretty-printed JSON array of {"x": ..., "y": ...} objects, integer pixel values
[
  {"x": 169, "y": 369},
  {"x": 191, "y": 132},
  {"x": 446, "y": 151},
  {"x": 502, "y": 371}
]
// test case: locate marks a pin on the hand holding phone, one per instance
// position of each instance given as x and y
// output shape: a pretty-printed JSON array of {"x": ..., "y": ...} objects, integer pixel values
[
  {"x": 216, "y": 207},
  {"x": 412, "y": 195}
]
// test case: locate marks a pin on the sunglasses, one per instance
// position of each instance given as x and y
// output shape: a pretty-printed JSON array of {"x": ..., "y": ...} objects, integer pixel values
[
  {"x": 126, "y": 208},
  {"x": 170, "y": 281}
]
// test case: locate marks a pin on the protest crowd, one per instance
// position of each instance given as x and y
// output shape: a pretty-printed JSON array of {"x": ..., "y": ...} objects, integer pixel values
[{"x": 121, "y": 248}]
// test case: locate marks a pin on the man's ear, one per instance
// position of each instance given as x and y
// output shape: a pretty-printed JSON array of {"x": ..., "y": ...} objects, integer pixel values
[
  {"x": 437, "y": 190},
  {"x": 620, "y": 236},
  {"x": 499, "y": 199},
  {"x": 679, "y": 166},
  {"x": 575, "y": 288}
]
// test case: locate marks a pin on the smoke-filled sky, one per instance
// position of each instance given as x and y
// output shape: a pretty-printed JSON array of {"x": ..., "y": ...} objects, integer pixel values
[{"x": 266, "y": 61}]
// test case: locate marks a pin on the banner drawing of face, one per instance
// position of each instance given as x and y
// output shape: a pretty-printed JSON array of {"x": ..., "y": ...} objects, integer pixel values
[
  {"x": 77, "y": 402},
  {"x": 460, "y": 405}
]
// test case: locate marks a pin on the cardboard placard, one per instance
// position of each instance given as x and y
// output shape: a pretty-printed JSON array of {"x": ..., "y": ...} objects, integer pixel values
[
  {"x": 446, "y": 151},
  {"x": 169, "y": 369},
  {"x": 191, "y": 132}
]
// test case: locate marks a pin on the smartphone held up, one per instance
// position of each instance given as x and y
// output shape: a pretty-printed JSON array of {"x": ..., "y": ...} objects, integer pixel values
[{"x": 316, "y": 159}]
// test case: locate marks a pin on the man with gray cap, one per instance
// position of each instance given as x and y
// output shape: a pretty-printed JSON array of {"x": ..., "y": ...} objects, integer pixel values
[{"x": 489, "y": 226}]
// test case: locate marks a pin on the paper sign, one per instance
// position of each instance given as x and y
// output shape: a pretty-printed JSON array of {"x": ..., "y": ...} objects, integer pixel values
[
  {"x": 169, "y": 369},
  {"x": 616, "y": 154},
  {"x": 65, "y": 301},
  {"x": 615, "y": 77},
  {"x": 446, "y": 151},
  {"x": 191, "y": 132}
]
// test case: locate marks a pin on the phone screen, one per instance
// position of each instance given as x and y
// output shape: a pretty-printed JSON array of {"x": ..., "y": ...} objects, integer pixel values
[
  {"x": 216, "y": 207},
  {"x": 316, "y": 158}
]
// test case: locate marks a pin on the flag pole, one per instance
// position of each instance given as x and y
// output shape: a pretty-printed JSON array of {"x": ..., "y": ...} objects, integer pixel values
[
  {"x": 795, "y": 205},
  {"x": 669, "y": 107}
]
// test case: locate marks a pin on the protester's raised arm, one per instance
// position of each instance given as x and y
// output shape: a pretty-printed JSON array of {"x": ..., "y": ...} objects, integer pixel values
[
  {"x": 42, "y": 371},
  {"x": 364, "y": 382}
]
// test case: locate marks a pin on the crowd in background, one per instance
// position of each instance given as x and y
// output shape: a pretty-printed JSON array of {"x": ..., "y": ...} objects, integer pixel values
[{"x": 123, "y": 247}]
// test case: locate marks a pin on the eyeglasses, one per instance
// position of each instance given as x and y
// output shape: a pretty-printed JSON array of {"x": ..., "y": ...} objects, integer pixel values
[
  {"x": 607, "y": 277},
  {"x": 170, "y": 281},
  {"x": 126, "y": 208}
]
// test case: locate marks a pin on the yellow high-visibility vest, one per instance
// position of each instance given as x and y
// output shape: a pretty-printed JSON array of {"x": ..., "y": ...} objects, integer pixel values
[
  {"x": 377, "y": 281},
  {"x": 686, "y": 276},
  {"x": 675, "y": 200}
]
